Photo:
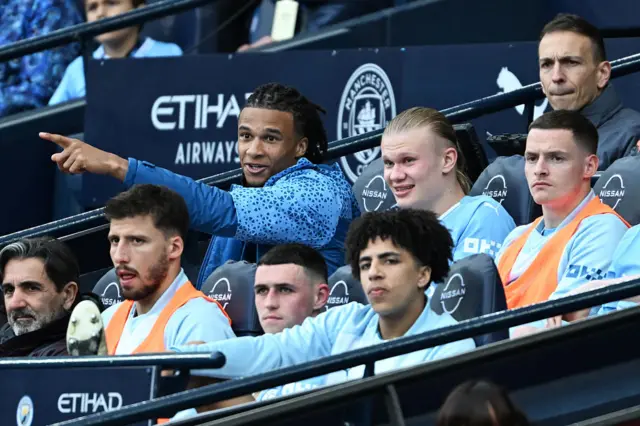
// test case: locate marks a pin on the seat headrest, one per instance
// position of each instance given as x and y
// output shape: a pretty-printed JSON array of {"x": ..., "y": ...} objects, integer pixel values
[
  {"x": 371, "y": 191},
  {"x": 231, "y": 285},
  {"x": 505, "y": 182},
  {"x": 619, "y": 187},
  {"x": 473, "y": 288},
  {"x": 474, "y": 154},
  {"x": 108, "y": 289},
  {"x": 344, "y": 288}
]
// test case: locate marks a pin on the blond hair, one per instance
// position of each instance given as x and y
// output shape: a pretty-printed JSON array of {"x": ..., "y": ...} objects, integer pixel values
[{"x": 419, "y": 117}]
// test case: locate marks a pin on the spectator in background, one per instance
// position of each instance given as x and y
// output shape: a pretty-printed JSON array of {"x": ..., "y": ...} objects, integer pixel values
[
  {"x": 395, "y": 254},
  {"x": 28, "y": 82},
  {"x": 147, "y": 227},
  {"x": 424, "y": 168},
  {"x": 575, "y": 74},
  {"x": 480, "y": 403},
  {"x": 287, "y": 194},
  {"x": 39, "y": 283},
  {"x": 116, "y": 44},
  {"x": 574, "y": 240},
  {"x": 290, "y": 286}
]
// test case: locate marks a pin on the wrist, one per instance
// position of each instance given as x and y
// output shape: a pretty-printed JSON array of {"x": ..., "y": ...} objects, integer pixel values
[{"x": 118, "y": 167}]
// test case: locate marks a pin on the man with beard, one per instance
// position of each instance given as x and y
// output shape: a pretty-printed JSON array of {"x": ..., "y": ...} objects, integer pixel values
[
  {"x": 39, "y": 283},
  {"x": 148, "y": 224}
]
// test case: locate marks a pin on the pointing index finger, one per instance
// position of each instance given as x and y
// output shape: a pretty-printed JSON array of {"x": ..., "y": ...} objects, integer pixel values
[{"x": 62, "y": 141}]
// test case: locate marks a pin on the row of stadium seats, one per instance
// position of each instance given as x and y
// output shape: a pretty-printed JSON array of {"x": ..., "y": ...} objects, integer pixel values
[
  {"x": 473, "y": 288},
  {"x": 504, "y": 181}
]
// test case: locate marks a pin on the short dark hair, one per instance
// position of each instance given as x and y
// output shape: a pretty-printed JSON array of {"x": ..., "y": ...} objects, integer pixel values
[
  {"x": 60, "y": 264},
  {"x": 479, "y": 403},
  {"x": 306, "y": 118},
  {"x": 584, "y": 132},
  {"x": 166, "y": 207},
  {"x": 417, "y": 231},
  {"x": 578, "y": 25},
  {"x": 298, "y": 254}
]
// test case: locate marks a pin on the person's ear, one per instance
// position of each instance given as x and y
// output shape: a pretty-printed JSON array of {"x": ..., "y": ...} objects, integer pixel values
[
  {"x": 603, "y": 74},
  {"x": 449, "y": 160},
  {"x": 321, "y": 297},
  {"x": 591, "y": 166},
  {"x": 424, "y": 277},
  {"x": 301, "y": 147},
  {"x": 176, "y": 247},
  {"x": 69, "y": 294}
]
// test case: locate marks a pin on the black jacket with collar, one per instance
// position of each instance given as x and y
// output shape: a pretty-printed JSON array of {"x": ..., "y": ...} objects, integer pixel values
[
  {"x": 47, "y": 341},
  {"x": 618, "y": 127}
]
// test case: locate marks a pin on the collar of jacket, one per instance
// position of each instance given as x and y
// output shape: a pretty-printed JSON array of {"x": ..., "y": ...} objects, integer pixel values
[
  {"x": 302, "y": 163},
  {"x": 24, "y": 344},
  {"x": 603, "y": 107}
]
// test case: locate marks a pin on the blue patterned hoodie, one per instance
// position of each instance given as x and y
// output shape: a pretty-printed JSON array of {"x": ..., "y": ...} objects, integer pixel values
[
  {"x": 307, "y": 203},
  {"x": 28, "y": 82}
]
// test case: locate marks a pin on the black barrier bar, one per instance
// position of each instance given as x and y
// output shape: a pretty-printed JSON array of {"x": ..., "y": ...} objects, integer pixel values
[
  {"x": 167, "y": 406},
  {"x": 91, "y": 29},
  {"x": 168, "y": 360}
]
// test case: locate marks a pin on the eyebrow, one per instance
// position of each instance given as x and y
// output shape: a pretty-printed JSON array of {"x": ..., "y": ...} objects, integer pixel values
[
  {"x": 554, "y": 152},
  {"x": 560, "y": 58},
  {"x": 380, "y": 256},
  {"x": 22, "y": 284},
  {"x": 273, "y": 285}
]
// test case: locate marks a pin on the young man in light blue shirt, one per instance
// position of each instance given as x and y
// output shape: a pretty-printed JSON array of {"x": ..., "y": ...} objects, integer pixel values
[
  {"x": 116, "y": 44},
  {"x": 424, "y": 168},
  {"x": 395, "y": 254}
]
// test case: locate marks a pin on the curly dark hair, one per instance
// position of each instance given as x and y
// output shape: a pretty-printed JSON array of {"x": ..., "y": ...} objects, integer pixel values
[
  {"x": 417, "y": 231},
  {"x": 306, "y": 118}
]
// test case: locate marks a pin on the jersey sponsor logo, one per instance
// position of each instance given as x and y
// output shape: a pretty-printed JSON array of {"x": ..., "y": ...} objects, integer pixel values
[
  {"x": 613, "y": 191},
  {"x": 586, "y": 272},
  {"x": 220, "y": 295},
  {"x": 367, "y": 104},
  {"x": 496, "y": 188},
  {"x": 453, "y": 293},
  {"x": 86, "y": 403},
  {"x": 24, "y": 413},
  {"x": 508, "y": 82},
  {"x": 480, "y": 245}
]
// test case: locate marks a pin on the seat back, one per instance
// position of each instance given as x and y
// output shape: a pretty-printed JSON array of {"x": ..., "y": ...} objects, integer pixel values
[
  {"x": 505, "y": 182},
  {"x": 619, "y": 187},
  {"x": 472, "y": 289},
  {"x": 231, "y": 285},
  {"x": 344, "y": 288},
  {"x": 472, "y": 150},
  {"x": 371, "y": 190},
  {"x": 108, "y": 289}
]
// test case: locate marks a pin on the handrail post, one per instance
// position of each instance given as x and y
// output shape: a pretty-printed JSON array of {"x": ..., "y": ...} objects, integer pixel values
[{"x": 529, "y": 108}]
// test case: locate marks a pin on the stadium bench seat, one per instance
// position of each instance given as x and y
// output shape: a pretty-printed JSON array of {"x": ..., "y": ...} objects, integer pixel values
[
  {"x": 619, "y": 187},
  {"x": 344, "y": 288}
]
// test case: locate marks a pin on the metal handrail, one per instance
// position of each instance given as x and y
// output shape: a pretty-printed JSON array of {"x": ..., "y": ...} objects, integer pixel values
[
  {"x": 168, "y": 360},
  {"x": 91, "y": 29},
  {"x": 168, "y": 405}
]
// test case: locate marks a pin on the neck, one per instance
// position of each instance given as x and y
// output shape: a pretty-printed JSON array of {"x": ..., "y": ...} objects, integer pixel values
[
  {"x": 448, "y": 199},
  {"x": 121, "y": 48},
  {"x": 553, "y": 215},
  {"x": 393, "y": 326},
  {"x": 144, "y": 305}
]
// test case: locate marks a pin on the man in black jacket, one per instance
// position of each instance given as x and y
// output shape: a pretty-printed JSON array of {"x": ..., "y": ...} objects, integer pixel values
[{"x": 39, "y": 283}]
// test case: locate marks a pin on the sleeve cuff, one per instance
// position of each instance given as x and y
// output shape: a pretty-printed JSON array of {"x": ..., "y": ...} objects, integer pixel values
[{"x": 132, "y": 171}]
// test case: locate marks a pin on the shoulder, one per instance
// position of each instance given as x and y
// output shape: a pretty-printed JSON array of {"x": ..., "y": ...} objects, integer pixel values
[
  {"x": 485, "y": 207},
  {"x": 200, "y": 309},
  {"x": 75, "y": 66},
  {"x": 161, "y": 48},
  {"x": 516, "y": 233},
  {"x": 602, "y": 224},
  {"x": 350, "y": 315},
  {"x": 108, "y": 313}
]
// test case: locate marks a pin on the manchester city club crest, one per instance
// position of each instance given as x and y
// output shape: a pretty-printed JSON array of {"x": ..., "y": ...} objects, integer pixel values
[
  {"x": 24, "y": 413},
  {"x": 367, "y": 104}
]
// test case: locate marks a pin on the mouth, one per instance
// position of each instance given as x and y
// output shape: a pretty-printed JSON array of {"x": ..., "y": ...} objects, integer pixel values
[
  {"x": 125, "y": 277},
  {"x": 23, "y": 318},
  {"x": 271, "y": 318},
  {"x": 540, "y": 185},
  {"x": 402, "y": 190},
  {"x": 376, "y": 292},
  {"x": 254, "y": 169},
  {"x": 562, "y": 93}
]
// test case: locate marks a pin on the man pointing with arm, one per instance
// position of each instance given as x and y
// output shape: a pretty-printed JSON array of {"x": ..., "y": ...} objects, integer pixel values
[{"x": 287, "y": 195}]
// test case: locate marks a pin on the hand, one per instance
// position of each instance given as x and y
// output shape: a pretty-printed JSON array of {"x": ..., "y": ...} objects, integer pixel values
[
  {"x": 79, "y": 157},
  {"x": 554, "y": 322}
]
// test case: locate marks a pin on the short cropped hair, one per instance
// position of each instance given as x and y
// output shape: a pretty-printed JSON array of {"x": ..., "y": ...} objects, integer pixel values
[
  {"x": 298, "y": 254},
  {"x": 60, "y": 264},
  {"x": 417, "y": 231},
  {"x": 166, "y": 207},
  {"x": 479, "y": 403},
  {"x": 584, "y": 132},
  {"x": 306, "y": 115},
  {"x": 578, "y": 25}
]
